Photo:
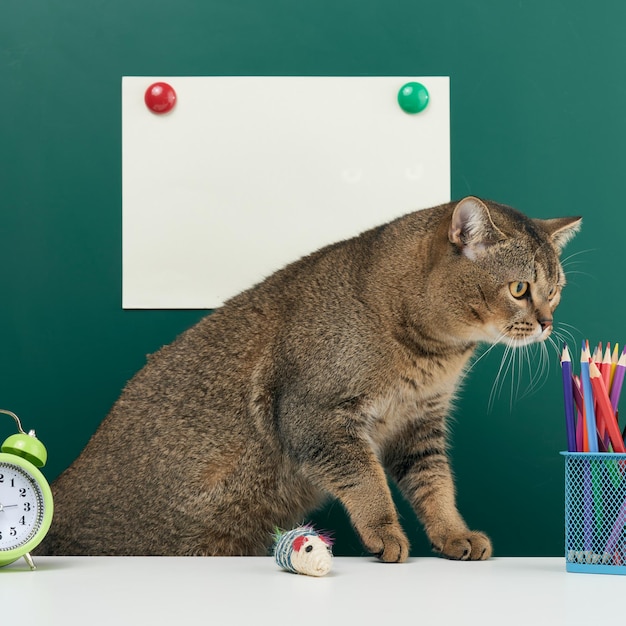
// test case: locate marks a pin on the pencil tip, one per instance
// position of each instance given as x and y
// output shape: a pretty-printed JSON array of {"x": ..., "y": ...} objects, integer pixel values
[{"x": 585, "y": 354}]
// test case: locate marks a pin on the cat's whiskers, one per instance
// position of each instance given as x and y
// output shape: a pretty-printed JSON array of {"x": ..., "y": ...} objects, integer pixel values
[
  {"x": 545, "y": 361},
  {"x": 539, "y": 374},
  {"x": 555, "y": 339},
  {"x": 554, "y": 345},
  {"x": 536, "y": 357},
  {"x": 565, "y": 261},
  {"x": 476, "y": 360},
  {"x": 534, "y": 372},
  {"x": 569, "y": 261},
  {"x": 571, "y": 273},
  {"x": 515, "y": 380},
  {"x": 505, "y": 364},
  {"x": 564, "y": 330},
  {"x": 516, "y": 358}
]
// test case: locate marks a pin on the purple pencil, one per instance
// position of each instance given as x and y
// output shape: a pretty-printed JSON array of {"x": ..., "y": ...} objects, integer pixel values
[
  {"x": 618, "y": 380},
  {"x": 568, "y": 397}
]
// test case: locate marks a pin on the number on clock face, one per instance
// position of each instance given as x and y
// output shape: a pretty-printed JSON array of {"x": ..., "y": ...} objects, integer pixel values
[{"x": 21, "y": 507}]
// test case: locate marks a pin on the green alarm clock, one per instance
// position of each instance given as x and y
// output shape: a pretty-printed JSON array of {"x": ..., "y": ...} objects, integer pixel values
[{"x": 25, "y": 497}]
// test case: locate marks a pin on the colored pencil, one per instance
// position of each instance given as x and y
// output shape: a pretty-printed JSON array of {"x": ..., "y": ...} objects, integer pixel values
[
  {"x": 591, "y": 407},
  {"x": 614, "y": 359},
  {"x": 587, "y": 509},
  {"x": 618, "y": 380},
  {"x": 617, "y": 529},
  {"x": 605, "y": 410},
  {"x": 578, "y": 394},
  {"x": 590, "y": 417},
  {"x": 605, "y": 367},
  {"x": 602, "y": 435},
  {"x": 580, "y": 430},
  {"x": 591, "y": 420},
  {"x": 580, "y": 420},
  {"x": 568, "y": 397}
]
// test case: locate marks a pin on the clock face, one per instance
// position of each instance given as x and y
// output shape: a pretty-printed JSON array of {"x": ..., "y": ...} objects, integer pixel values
[{"x": 21, "y": 507}]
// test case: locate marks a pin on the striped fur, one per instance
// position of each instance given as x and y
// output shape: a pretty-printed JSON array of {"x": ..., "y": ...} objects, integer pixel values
[{"x": 330, "y": 375}]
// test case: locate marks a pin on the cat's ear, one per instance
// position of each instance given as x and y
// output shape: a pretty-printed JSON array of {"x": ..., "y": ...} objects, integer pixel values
[
  {"x": 472, "y": 229},
  {"x": 561, "y": 229}
]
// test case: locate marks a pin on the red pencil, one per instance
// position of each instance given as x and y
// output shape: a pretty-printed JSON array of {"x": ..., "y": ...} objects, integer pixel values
[
  {"x": 604, "y": 366},
  {"x": 578, "y": 394},
  {"x": 605, "y": 408},
  {"x": 580, "y": 422}
]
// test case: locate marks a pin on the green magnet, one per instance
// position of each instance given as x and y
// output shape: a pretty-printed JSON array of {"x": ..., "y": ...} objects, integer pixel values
[{"x": 413, "y": 97}]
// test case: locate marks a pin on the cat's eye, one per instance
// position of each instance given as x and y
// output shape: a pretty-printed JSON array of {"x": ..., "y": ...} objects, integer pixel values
[
  {"x": 552, "y": 293},
  {"x": 518, "y": 288}
]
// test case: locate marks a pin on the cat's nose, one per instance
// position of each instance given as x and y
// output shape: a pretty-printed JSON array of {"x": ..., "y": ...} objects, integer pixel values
[{"x": 545, "y": 323}]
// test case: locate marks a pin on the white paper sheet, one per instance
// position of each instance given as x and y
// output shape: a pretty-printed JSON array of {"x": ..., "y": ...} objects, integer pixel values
[{"x": 247, "y": 174}]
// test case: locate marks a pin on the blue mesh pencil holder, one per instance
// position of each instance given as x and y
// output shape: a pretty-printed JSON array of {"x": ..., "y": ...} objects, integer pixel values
[{"x": 595, "y": 512}]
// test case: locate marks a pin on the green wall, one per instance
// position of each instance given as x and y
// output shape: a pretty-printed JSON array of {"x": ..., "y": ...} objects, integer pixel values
[{"x": 538, "y": 120}]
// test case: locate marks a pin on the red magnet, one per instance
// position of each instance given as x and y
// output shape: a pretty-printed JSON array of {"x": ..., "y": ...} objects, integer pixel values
[{"x": 160, "y": 98}]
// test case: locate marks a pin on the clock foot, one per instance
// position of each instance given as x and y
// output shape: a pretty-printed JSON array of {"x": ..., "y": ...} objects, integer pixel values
[{"x": 29, "y": 559}]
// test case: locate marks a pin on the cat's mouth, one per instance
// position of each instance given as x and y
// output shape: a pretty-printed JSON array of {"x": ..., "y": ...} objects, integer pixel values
[
  {"x": 519, "y": 334},
  {"x": 524, "y": 333},
  {"x": 515, "y": 342}
]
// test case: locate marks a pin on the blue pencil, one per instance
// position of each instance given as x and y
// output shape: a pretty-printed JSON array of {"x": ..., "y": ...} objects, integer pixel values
[
  {"x": 590, "y": 415},
  {"x": 568, "y": 397}
]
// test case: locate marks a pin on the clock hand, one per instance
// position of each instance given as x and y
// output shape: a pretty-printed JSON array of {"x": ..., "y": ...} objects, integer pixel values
[{"x": 6, "y": 506}]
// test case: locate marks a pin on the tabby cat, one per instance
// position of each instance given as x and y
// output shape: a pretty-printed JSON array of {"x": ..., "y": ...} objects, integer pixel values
[{"x": 313, "y": 384}]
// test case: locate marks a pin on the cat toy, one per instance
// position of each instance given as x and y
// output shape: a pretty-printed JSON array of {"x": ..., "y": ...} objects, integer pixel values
[{"x": 303, "y": 550}]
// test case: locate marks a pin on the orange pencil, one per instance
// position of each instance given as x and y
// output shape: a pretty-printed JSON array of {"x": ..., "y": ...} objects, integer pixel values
[{"x": 605, "y": 408}]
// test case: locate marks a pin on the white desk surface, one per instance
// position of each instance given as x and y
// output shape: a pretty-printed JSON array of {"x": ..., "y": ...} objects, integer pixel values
[{"x": 358, "y": 591}]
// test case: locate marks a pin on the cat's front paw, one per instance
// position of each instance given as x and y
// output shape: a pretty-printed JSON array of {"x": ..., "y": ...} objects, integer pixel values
[
  {"x": 465, "y": 546},
  {"x": 387, "y": 542}
]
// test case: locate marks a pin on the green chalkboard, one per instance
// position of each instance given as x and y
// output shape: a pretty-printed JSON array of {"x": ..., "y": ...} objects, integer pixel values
[{"x": 537, "y": 121}]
